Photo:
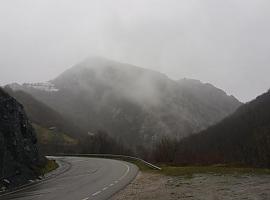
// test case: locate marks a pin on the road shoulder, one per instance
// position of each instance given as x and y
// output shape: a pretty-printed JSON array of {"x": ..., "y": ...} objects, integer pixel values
[
  {"x": 208, "y": 186},
  {"x": 146, "y": 185}
]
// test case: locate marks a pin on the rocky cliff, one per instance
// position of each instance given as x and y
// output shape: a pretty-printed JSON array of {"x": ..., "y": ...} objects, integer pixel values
[{"x": 19, "y": 157}]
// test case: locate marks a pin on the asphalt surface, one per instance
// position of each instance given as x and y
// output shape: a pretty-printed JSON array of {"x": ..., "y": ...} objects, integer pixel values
[{"x": 80, "y": 179}]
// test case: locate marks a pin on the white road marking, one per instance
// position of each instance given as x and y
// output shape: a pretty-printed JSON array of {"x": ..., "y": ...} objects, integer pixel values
[
  {"x": 86, "y": 198},
  {"x": 75, "y": 161},
  {"x": 125, "y": 172},
  {"x": 112, "y": 184},
  {"x": 96, "y": 193}
]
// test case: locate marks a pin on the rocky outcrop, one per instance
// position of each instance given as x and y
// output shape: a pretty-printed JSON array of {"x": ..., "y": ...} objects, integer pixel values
[{"x": 19, "y": 157}]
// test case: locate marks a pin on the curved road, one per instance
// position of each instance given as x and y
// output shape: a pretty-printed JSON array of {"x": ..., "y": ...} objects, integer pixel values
[{"x": 82, "y": 179}]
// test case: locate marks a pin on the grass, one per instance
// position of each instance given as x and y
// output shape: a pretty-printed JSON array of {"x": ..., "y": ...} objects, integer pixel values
[
  {"x": 45, "y": 136},
  {"x": 50, "y": 166},
  {"x": 213, "y": 169},
  {"x": 189, "y": 171}
]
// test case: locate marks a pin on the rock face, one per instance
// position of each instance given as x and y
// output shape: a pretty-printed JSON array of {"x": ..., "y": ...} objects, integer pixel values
[{"x": 19, "y": 157}]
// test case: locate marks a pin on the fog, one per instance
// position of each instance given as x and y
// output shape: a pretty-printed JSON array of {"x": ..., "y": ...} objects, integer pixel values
[{"x": 225, "y": 43}]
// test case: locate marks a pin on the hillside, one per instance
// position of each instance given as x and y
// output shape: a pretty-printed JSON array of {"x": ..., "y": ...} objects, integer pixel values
[
  {"x": 54, "y": 132},
  {"x": 242, "y": 138},
  {"x": 39, "y": 113},
  {"x": 132, "y": 103}
]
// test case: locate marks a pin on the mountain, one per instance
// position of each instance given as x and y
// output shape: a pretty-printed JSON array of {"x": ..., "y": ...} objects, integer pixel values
[
  {"x": 241, "y": 138},
  {"x": 132, "y": 103},
  {"x": 19, "y": 157}
]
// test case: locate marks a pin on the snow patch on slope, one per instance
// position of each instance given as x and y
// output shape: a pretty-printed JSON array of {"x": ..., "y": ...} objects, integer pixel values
[{"x": 45, "y": 86}]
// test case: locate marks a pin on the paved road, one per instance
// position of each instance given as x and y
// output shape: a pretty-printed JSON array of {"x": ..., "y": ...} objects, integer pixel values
[{"x": 83, "y": 179}]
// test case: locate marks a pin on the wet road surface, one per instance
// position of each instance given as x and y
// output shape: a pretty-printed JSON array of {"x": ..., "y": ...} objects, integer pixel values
[{"x": 83, "y": 179}]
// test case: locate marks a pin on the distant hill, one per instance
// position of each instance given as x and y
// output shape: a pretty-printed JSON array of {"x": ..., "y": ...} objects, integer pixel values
[
  {"x": 54, "y": 132},
  {"x": 132, "y": 103},
  {"x": 41, "y": 114},
  {"x": 241, "y": 138}
]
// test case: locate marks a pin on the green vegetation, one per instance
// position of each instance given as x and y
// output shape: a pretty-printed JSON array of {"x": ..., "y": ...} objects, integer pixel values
[
  {"x": 46, "y": 136},
  {"x": 54, "y": 141},
  {"x": 49, "y": 166},
  {"x": 191, "y": 170},
  {"x": 188, "y": 171},
  {"x": 213, "y": 169}
]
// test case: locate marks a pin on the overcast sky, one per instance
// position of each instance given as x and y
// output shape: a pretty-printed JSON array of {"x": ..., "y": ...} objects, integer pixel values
[{"x": 223, "y": 42}]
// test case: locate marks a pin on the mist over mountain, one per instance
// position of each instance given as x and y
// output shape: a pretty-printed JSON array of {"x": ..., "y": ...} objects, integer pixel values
[{"x": 132, "y": 103}]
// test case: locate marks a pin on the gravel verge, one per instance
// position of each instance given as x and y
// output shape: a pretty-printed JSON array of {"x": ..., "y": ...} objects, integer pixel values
[{"x": 197, "y": 187}]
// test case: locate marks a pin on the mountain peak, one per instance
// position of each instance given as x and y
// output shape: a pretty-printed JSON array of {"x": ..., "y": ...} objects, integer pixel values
[
  {"x": 105, "y": 65},
  {"x": 96, "y": 61}
]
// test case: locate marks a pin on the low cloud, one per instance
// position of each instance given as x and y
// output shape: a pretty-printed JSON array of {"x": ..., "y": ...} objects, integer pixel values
[{"x": 225, "y": 43}]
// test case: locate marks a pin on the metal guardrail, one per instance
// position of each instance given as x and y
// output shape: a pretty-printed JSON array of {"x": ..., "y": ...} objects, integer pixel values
[{"x": 113, "y": 156}]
